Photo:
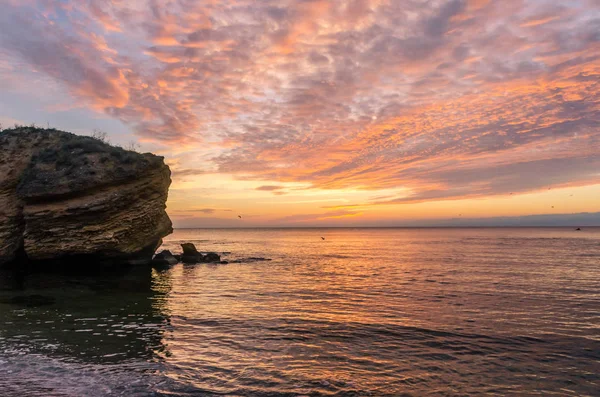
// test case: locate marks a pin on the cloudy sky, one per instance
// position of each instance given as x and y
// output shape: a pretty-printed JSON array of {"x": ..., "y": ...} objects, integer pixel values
[{"x": 313, "y": 112}]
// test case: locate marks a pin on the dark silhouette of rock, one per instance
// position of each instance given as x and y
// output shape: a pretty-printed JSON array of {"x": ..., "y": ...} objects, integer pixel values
[
  {"x": 168, "y": 256},
  {"x": 192, "y": 259},
  {"x": 189, "y": 249},
  {"x": 191, "y": 255},
  {"x": 66, "y": 196},
  {"x": 164, "y": 258}
]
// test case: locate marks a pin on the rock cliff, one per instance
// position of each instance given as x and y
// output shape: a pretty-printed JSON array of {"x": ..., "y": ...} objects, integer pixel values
[{"x": 64, "y": 196}]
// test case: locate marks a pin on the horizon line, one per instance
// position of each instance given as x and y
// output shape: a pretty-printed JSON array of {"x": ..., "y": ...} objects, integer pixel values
[{"x": 392, "y": 227}]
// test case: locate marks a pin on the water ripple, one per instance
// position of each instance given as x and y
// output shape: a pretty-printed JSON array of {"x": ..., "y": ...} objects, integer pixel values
[{"x": 371, "y": 312}]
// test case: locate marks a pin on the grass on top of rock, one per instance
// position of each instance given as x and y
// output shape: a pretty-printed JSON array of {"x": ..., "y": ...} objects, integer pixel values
[
  {"x": 70, "y": 151},
  {"x": 67, "y": 163}
]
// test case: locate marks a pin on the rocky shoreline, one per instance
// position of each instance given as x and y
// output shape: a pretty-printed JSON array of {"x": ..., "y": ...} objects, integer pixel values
[{"x": 77, "y": 203}]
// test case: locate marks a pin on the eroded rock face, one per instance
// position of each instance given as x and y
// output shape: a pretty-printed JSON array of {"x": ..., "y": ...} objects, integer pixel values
[{"x": 65, "y": 196}]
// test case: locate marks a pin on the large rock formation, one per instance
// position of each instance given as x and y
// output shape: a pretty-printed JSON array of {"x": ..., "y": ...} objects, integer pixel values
[{"x": 64, "y": 196}]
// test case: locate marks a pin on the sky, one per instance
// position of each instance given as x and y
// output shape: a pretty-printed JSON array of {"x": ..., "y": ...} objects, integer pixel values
[{"x": 326, "y": 113}]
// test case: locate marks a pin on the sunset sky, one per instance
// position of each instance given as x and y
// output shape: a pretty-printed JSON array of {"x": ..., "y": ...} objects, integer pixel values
[{"x": 311, "y": 112}]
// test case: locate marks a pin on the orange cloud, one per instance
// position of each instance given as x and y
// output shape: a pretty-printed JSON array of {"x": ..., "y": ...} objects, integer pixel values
[{"x": 462, "y": 98}]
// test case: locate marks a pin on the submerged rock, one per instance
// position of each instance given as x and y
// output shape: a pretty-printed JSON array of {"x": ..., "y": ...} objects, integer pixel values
[
  {"x": 212, "y": 257},
  {"x": 64, "y": 196},
  {"x": 251, "y": 259}
]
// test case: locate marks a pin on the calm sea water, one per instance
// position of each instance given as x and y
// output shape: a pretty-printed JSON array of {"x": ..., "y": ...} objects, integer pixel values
[{"x": 365, "y": 312}]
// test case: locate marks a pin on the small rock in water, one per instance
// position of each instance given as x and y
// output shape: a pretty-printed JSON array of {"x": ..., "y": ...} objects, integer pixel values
[
  {"x": 164, "y": 258},
  {"x": 189, "y": 249},
  {"x": 191, "y": 255}
]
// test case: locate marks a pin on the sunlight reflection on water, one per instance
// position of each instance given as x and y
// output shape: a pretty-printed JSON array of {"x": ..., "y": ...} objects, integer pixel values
[{"x": 363, "y": 312}]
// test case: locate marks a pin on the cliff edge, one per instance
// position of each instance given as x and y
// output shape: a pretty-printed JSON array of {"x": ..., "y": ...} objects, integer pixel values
[{"x": 64, "y": 196}]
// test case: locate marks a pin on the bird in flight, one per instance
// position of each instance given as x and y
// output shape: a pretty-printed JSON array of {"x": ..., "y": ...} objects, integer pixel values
[
  {"x": 322, "y": 238},
  {"x": 239, "y": 216}
]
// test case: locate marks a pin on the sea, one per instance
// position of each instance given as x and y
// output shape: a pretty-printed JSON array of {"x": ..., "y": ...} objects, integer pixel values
[{"x": 317, "y": 312}]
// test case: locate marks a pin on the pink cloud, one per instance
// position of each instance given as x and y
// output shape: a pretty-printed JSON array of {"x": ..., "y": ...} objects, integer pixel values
[{"x": 449, "y": 99}]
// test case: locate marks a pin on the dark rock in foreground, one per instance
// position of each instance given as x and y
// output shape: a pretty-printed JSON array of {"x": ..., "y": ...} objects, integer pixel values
[
  {"x": 191, "y": 255},
  {"x": 64, "y": 196}
]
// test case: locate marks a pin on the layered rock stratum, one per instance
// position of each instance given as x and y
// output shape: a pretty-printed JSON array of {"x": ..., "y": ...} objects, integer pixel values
[{"x": 64, "y": 196}]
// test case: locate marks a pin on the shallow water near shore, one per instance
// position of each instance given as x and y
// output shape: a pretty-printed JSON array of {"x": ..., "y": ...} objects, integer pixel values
[{"x": 365, "y": 312}]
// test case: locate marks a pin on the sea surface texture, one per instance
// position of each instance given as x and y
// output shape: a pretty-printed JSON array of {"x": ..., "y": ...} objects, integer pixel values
[{"x": 362, "y": 312}]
